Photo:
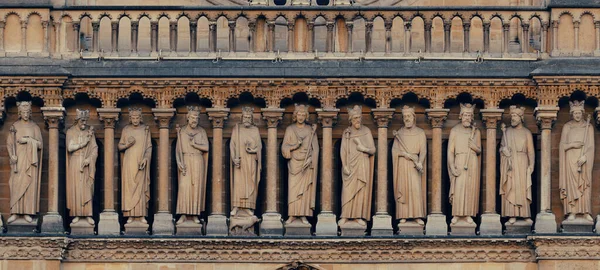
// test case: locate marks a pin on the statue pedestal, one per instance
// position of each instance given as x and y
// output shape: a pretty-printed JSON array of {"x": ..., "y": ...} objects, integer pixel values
[
  {"x": 243, "y": 226},
  {"x": 82, "y": 227},
  {"x": 578, "y": 225},
  {"x": 52, "y": 223},
  {"x": 217, "y": 225},
  {"x": 326, "y": 225},
  {"x": 271, "y": 225},
  {"x": 189, "y": 227},
  {"x": 410, "y": 227},
  {"x": 109, "y": 224},
  {"x": 382, "y": 225},
  {"x": 462, "y": 227},
  {"x": 436, "y": 225},
  {"x": 520, "y": 227},
  {"x": 545, "y": 223},
  {"x": 163, "y": 224},
  {"x": 136, "y": 228},
  {"x": 490, "y": 225},
  {"x": 352, "y": 228},
  {"x": 297, "y": 228},
  {"x": 21, "y": 226}
]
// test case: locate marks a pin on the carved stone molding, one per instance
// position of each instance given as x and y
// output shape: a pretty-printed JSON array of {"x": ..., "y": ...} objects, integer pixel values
[
  {"x": 566, "y": 247},
  {"x": 33, "y": 248}
]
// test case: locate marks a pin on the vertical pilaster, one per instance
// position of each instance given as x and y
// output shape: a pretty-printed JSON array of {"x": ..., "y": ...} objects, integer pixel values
[
  {"x": 154, "y": 37},
  {"x": 428, "y": 26},
  {"x": 545, "y": 221},
  {"x": 212, "y": 36},
  {"x": 311, "y": 37},
  {"x": 24, "y": 37},
  {"x": 329, "y": 40},
  {"x": 163, "y": 219},
  {"x": 271, "y": 220},
  {"x": 193, "y": 36},
  {"x": 505, "y": 37},
  {"x": 368, "y": 36},
  {"x": 134, "y": 37},
  {"x": 173, "y": 38},
  {"x": 95, "y": 36},
  {"x": 576, "y": 51},
  {"x": 447, "y": 38},
  {"x": 544, "y": 45},
  {"x": 466, "y": 36},
  {"x": 382, "y": 221},
  {"x": 407, "y": 36},
  {"x": 555, "y": 50},
  {"x": 327, "y": 220},
  {"x": 114, "y": 41},
  {"x": 349, "y": 28},
  {"x": 596, "y": 27},
  {"x": 53, "y": 221},
  {"x": 388, "y": 37},
  {"x": 486, "y": 37},
  {"x": 109, "y": 219},
  {"x": 217, "y": 221},
  {"x": 2, "y": 25},
  {"x": 46, "y": 44},
  {"x": 436, "y": 220},
  {"x": 490, "y": 219},
  {"x": 290, "y": 37},
  {"x": 525, "y": 39},
  {"x": 231, "y": 25},
  {"x": 252, "y": 33},
  {"x": 271, "y": 36}
]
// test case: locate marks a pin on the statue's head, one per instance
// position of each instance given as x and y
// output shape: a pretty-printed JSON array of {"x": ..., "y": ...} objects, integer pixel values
[
  {"x": 82, "y": 118},
  {"x": 24, "y": 108},
  {"x": 247, "y": 118},
  {"x": 193, "y": 116},
  {"x": 517, "y": 115},
  {"x": 300, "y": 113},
  {"x": 467, "y": 111},
  {"x": 577, "y": 110},
  {"x": 135, "y": 116},
  {"x": 355, "y": 116},
  {"x": 408, "y": 116}
]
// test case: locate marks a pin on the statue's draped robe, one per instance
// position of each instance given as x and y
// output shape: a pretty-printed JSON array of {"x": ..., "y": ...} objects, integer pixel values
[
  {"x": 80, "y": 179},
  {"x": 191, "y": 192},
  {"x": 302, "y": 169},
  {"x": 409, "y": 183},
  {"x": 245, "y": 179},
  {"x": 464, "y": 189},
  {"x": 515, "y": 184},
  {"x": 357, "y": 186},
  {"x": 135, "y": 187},
  {"x": 575, "y": 187},
  {"x": 25, "y": 183}
]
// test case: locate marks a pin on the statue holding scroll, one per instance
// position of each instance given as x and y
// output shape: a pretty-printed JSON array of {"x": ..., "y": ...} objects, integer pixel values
[
  {"x": 82, "y": 152},
  {"x": 576, "y": 155},
  {"x": 301, "y": 149},
  {"x": 357, "y": 152},
  {"x": 191, "y": 152},
  {"x": 517, "y": 159},
  {"x": 464, "y": 166},
  {"x": 409, "y": 153},
  {"x": 135, "y": 167},
  {"x": 24, "y": 143}
]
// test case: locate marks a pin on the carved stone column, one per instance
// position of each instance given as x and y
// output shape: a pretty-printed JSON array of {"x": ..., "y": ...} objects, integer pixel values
[
  {"x": 329, "y": 41},
  {"x": 173, "y": 38},
  {"x": 212, "y": 36},
  {"x": 525, "y": 39},
  {"x": 428, "y": 26},
  {"x": 154, "y": 38},
  {"x": 53, "y": 221},
  {"x": 58, "y": 41},
  {"x": 544, "y": 45},
  {"x": 109, "y": 219},
  {"x": 95, "y": 36},
  {"x": 217, "y": 220},
  {"x": 311, "y": 37},
  {"x": 290, "y": 40},
  {"x": 576, "y": 51},
  {"x": 490, "y": 219},
  {"x": 382, "y": 221},
  {"x": 46, "y": 41},
  {"x": 466, "y": 36},
  {"x": 193, "y": 36},
  {"x": 555, "y": 38},
  {"x": 114, "y": 37},
  {"x": 486, "y": 37},
  {"x": 506, "y": 37},
  {"x": 327, "y": 220},
  {"x": 231, "y": 25},
  {"x": 388, "y": 37},
  {"x": 596, "y": 26},
  {"x": 271, "y": 220},
  {"x": 407, "y": 29},
  {"x": 24, "y": 37},
  {"x": 545, "y": 221},
  {"x": 368, "y": 36},
  {"x": 163, "y": 219},
  {"x": 252, "y": 36},
  {"x": 597, "y": 111},
  {"x": 2, "y": 25},
  {"x": 134, "y": 37},
  {"x": 447, "y": 39},
  {"x": 436, "y": 220},
  {"x": 349, "y": 28},
  {"x": 270, "y": 36}
]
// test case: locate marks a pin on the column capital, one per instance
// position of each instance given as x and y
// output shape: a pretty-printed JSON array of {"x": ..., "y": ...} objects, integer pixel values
[
  {"x": 327, "y": 117},
  {"x": 217, "y": 116},
  {"x": 597, "y": 111},
  {"x": 486, "y": 26},
  {"x": 114, "y": 25},
  {"x": 273, "y": 116},
  {"x": 491, "y": 117},
  {"x": 53, "y": 116},
  {"x": 546, "y": 116},
  {"x": 437, "y": 117},
  {"x": 467, "y": 26},
  {"x": 382, "y": 116},
  {"x": 95, "y": 26},
  {"x": 407, "y": 26},
  {"x": 163, "y": 117},
  {"x": 109, "y": 116},
  {"x": 330, "y": 25},
  {"x": 525, "y": 26}
]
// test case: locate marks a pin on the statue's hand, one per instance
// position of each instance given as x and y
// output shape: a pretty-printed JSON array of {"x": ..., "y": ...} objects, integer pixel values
[
  {"x": 454, "y": 171},
  {"x": 131, "y": 140},
  {"x": 86, "y": 162},
  {"x": 576, "y": 145},
  {"x": 13, "y": 159},
  {"x": 505, "y": 151},
  {"x": 237, "y": 162},
  {"x": 346, "y": 171},
  {"x": 419, "y": 167},
  {"x": 143, "y": 164},
  {"x": 23, "y": 140},
  {"x": 529, "y": 170},
  {"x": 473, "y": 146},
  {"x": 582, "y": 160}
]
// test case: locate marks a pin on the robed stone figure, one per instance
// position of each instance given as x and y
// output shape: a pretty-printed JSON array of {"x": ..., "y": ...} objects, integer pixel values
[
  {"x": 576, "y": 155},
  {"x": 517, "y": 160},
  {"x": 135, "y": 167},
  {"x": 409, "y": 153},
  {"x": 301, "y": 148},
  {"x": 356, "y": 152},
  {"x": 464, "y": 166},
  {"x": 191, "y": 152},
  {"x": 246, "y": 164},
  {"x": 24, "y": 143},
  {"x": 82, "y": 152}
]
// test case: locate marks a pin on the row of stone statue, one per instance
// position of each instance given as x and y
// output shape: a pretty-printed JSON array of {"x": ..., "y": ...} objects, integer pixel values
[{"x": 301, "y": 148}]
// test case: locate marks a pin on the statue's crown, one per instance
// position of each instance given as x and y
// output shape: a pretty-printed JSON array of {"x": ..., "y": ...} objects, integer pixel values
[
  {"x": 193, "y": 110},
  {"x": 135, "y": 111},
  {"x": 247, "y": 110},
  {"x": 354, "y": 111},
  {"x": 24, "y": 105},
  {"x": 518, "y": 110},
  {"x": 408, "y": 110},
  {"x": 82, "y": 114},
  {"x": 467, "y": 107},
  {"x": 577, "y": 105}
]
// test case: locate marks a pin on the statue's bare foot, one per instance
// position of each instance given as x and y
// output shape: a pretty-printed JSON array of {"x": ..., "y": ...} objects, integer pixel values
[
  {"x": 420, "y": 221},
  {"x": 403, "y": 220},
  {"x": 589, "y": 217},
  {"x": 470, "y": 220},
  {"x": 571, "y": 217},
  {"x": 304, "y": 220},
  {"x": 181, "y": 219},
  {"x": 129, "y": 220},
  {"x": 454, "y": 220},
  {"x": 75, "y": 220},
  {"x": 196, "y": 220},
  {"x": 233, "y": 211},
  {"x": 90, "y": 220},
  {"x": 361, "y": 222},
  {"x": 11, "y": 219},
  {"x": 528, "y": 220},
  {"x": 28, "y": 218},
  {"x": 512, "y": 220},
  {"x": 290, "y": 220},
  {"x": 342, "y": 221},
  {"x": 143, "y": 220}
]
